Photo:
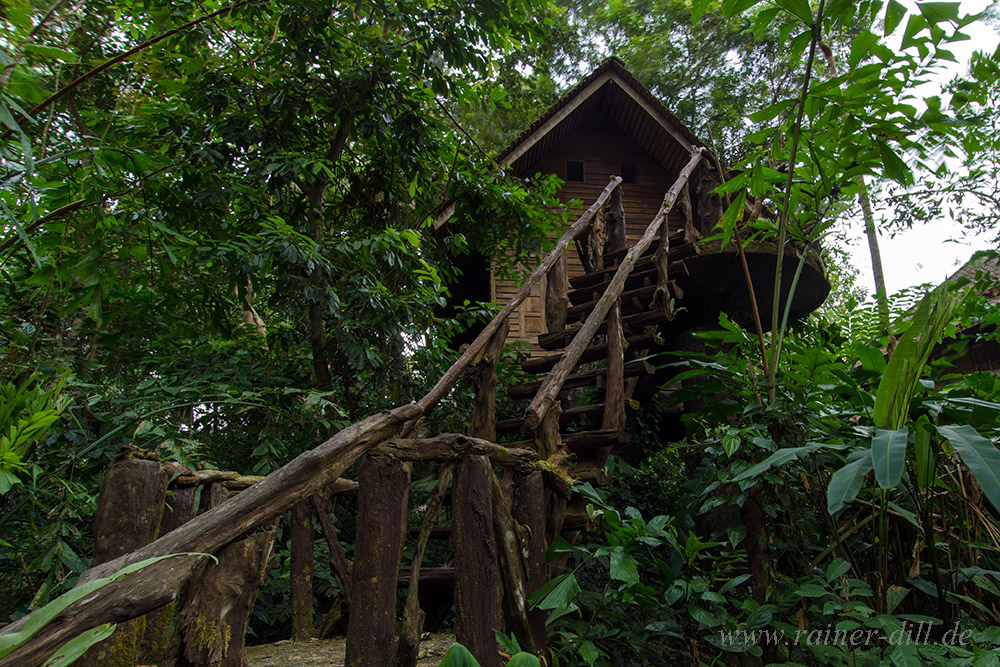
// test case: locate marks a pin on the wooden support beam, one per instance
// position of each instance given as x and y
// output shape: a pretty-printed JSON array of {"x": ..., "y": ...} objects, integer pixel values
[
  {"x": 477, "y": 584},
  {"x": 453, "y": 447},
  {"x": 408, "y": 646},
  {"x": 614, "y": 222},
  {"x": 661, "y": 297},
  {"x": 382, "y": 501},
  {"x": 302, "y": 566},
  {"x": 483, "y": 377},
  {"x": 614, "y": 379},
  {"x": 528, "y": 509},
  {"x": 549, "y": 392},
  {"x": 557, "y": 295},
  {"x": 510, "y": 546}
]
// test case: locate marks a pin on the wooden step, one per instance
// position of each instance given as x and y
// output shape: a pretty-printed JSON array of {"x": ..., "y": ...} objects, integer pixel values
[
  {"x": 638, "y": 278},
  {"x": 677, "y": 253},
  {"x": 592, "y": 353},
  {"x": 582, "y": 441},
  {"x": 676, "y": 239},
  {"x": 581, "y": 379},
  {"x": 568, "y": 416},
  {"x": 436, "y": 577},
  {"x": 571, "y": 522},
  {"x": 633, "y": 301},
  {"x": 558, "y": 339}
]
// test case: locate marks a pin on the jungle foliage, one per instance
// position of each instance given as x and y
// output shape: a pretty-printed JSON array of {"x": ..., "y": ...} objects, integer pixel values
[{"x": 217, "y": 245}]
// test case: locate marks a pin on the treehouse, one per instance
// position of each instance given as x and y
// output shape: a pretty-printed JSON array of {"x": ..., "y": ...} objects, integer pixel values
[
  {"x": 630, "y": 277},
  {"x": 611, "y": 125}
]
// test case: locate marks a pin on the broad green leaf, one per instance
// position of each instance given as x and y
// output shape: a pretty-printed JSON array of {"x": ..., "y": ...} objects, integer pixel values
[
  {"x": 799, "y": 8},
  {"x": 772, "y": 111},
  {"x": 781, "y": 457},
  {"x": 698, "y": 8},
  {"x": 894, "y": 13},
  {"x": 902, "y": 373},
  {"x": 889, "y": 455},
  {"x": 861, "y": 46},
  {"x": 459, "y": 656},
  {"x": 936, "y": 12},
  {"x": 836, "y": 569},
  {"x": 703, "y": 616},
  {"x": 558, "y": 593},
  {"x": 623, "y": 567},
  {"x": 588, "y": 651},
  {"x": 732, "y": 217},
  {"x": 523, "y": 659},
  {"x": 914, "y": 25},
  {"x": 980, "y": 454},
  {"x": 52, "y": 52},
  {"x": 923, "y": 454},
  {"x": 846, "y": 482},
  {"x": 895, "y": 168},
  {"x": 71, "y": 651}
]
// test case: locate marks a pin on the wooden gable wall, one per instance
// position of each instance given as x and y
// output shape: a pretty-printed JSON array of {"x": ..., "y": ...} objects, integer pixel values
[{"x": 603, "y": 148}]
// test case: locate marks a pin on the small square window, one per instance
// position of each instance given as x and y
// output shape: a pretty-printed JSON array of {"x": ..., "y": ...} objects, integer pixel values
[
  {"x": 574, "y": 171},
  {"x": 629, "y": 173}
]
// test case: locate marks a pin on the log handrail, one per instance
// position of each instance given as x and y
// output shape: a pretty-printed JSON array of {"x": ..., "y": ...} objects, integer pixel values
[{"x": 549, "y": 391}]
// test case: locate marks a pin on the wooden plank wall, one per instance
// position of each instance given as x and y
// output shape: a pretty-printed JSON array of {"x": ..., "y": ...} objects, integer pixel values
[{"x": 602, "y": 148}]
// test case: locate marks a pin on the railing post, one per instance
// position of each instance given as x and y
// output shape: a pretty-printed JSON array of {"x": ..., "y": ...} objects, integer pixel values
[
  {"x": 383, "y": 492},
  {"x": 614, "y": 222},
  {"x": 556, "y": 295},
  {"x": 300, "y": 579}
]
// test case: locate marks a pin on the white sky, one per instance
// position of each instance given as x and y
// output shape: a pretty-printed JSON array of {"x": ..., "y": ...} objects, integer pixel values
[{"x": 931, "y": 252}]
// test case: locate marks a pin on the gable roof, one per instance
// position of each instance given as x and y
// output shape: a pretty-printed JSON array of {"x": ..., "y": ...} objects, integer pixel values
[{"x": 612, "y": 92}]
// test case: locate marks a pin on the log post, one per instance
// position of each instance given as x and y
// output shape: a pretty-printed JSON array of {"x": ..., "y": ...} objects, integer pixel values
[
  {"x": 382, "y": 500},
  {"x": 408, "y": 646},
  {"x": 509, "y": 537},
  {"x": 222, "y": 594},
  {"x": 709, "y": 204},
  {"x": 556, "y": 296},
  {"x": 529, "y": 510},
  {"x": 129, "y": 510},
  {"x": 477, "y": 576},
  {"x": 614, "y": 379},
  {"x": 180, "y": 507},
  {"x": 484, "y": 381},
  {"x": 661, "y": 297},
  {"x": 614, "y": 222},
  {"x": 300, "y": 580}
]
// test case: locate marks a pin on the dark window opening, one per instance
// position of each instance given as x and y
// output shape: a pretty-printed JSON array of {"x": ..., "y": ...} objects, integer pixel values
[
  {"x": 630, "y": 174},
  {"x": 574, "y": 171}
]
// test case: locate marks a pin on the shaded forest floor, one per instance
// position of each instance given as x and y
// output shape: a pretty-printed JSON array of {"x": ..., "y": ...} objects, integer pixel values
[{"x": 330, "y": 652}]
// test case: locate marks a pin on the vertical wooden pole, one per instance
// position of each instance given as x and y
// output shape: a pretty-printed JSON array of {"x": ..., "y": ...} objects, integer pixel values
[
  {"x": 614, "y": 222},
  {"x": 129, "y": 509},
  {"x": 510, "y": 540},
  {"x": 529, "y": 510},
  {"x": 614, "y": 379},
  {"x": 300, "y": 580},
  {"x": 556, "y": 295},
  {"x": 384, "y": 488},
  {"x": 484, "y": 382},
  {"x": 477, "y": 575}
]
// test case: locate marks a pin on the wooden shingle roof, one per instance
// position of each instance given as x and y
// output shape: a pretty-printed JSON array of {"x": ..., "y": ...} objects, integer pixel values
[{"x": 612, "y": 92}]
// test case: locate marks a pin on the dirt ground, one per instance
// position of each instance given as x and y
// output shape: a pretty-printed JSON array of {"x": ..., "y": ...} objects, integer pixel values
[{"x": 330, "y": 652}]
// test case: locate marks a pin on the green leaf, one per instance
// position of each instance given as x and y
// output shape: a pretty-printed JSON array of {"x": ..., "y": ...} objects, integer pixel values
[
  {"x": 895, "y": 168},
  {"x": 799, "y": 8},
  {"x": 913, "y": 26},
  {"x": 587, "y": 651},
  {"x": 459, "y": 656},
  {"x": 980, "y": 455},
  {"x": 623, "y": 567},
  {"x": 52, "y": 52},
  {"x": 558, "y": 593},
  {"x": 69, "y": 652},
  {"x": 846, "y": 482},
  {"x": 894, "y": 13},
  {"x": 698, "y": 8},
  {"x": 836, "y": 569},
  {"x": 772, "y": 111},
  {"x": 936, "y": 12},
  {"x": 923, "y": 454},
  {"x": 861, "y": 46},
  {"x": 781, "y": 457},
  {"x": 889, "y": 455}
]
